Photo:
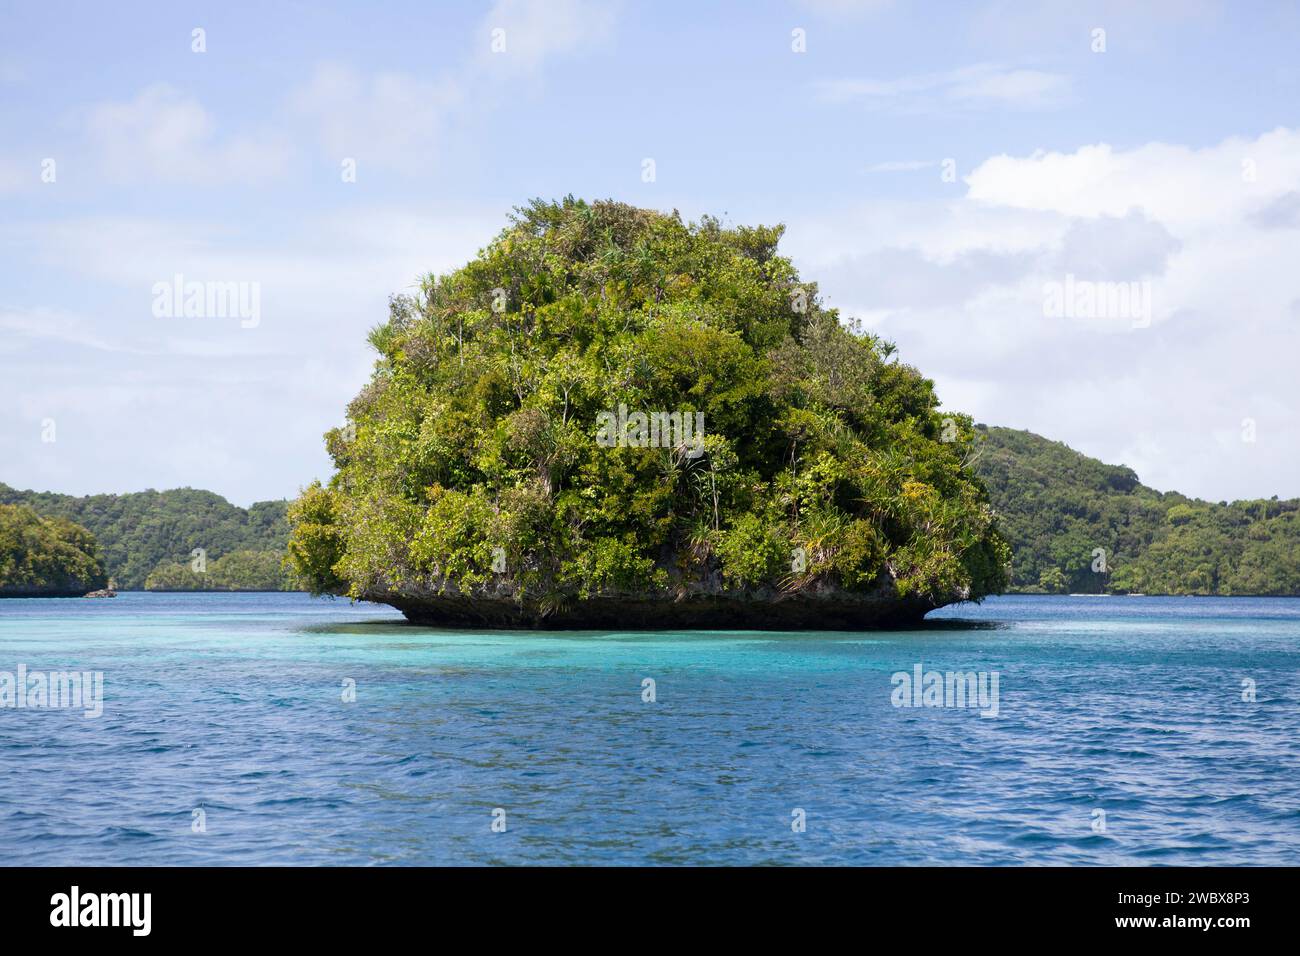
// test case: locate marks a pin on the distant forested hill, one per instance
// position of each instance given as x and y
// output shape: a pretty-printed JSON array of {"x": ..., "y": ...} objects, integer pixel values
[
  {"x": 1057, "y": 507},
  {"x": 141, "y": 531},
  {"x": 45, "y": 557}
]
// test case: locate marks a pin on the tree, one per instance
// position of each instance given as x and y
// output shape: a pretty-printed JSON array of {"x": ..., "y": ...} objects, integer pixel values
[{"x": 1053, "y": 581}]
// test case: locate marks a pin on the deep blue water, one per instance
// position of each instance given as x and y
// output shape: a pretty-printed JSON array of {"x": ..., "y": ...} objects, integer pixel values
[{"x": 233, "y": 704}]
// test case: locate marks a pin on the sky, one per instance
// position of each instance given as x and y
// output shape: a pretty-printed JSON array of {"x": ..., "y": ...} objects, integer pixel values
[{"x": 949, "y": 173}]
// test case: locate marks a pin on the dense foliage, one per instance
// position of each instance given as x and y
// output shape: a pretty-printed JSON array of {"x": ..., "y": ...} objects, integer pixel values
[
  {"x": 46, "y": 556},
  {"x": 236, "y": 571},
  {"x": 471, "y": 462},
  {"x": 139, "y": 531},
  {"x": 1054, "y": 505},
  {"x": 1058, "y": 507}
]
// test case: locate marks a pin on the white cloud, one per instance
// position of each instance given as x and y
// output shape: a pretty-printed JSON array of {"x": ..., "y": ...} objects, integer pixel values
[
  {"x": 982, "y": 86},
  {"x": 165, "y": 135},
  {"x": 1281, "y": 212},
  {"x": 537, "y": 30},
  {"x": 996, "y": 86},
  {"x": 1116, "y": 249},
  {"x": 960, "y": 286},
  {"x": 401, "y": 120},
  {"x": 1171, "y": 183},
  {"x": 335, "y": 262}
]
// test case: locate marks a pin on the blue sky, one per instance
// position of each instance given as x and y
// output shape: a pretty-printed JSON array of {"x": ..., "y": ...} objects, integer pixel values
[{"x": 1171, "y": 158}]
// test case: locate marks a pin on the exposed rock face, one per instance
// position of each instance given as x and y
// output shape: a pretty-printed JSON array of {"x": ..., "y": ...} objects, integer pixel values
[
  {"x": 797, "y": 614},
  {"x": 767, "y": 610}
]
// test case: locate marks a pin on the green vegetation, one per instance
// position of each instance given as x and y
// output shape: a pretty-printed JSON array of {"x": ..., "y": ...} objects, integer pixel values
[
  {"x": 822, "y": 470},
  {"x": 1058, "y": 506},
  {"x": 46, "y": 557},
  {"x": 137, "y": 532},
  {"x": 236, "y": 571},
  {"x": 1055, "y": 506}
]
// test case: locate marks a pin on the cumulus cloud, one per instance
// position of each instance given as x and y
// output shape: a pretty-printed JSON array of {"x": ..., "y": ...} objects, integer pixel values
[
  {"x": 960, "y": 285},
  {"x": 1171, "y": 183},
  {"x": 909, "y": 279},
  {"x": 1116, "y": 249},
  {"x": 1282, "y": 212}
]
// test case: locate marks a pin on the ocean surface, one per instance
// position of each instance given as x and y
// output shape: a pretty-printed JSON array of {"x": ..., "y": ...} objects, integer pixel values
[{"x": 228, "y": 737}]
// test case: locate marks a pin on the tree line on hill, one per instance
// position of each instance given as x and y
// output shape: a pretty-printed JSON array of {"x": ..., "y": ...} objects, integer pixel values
[
  {"x": 1055, "y": 506},
  {"x": 1078, "y": 525},
  {"x": 147, "y": 539}
]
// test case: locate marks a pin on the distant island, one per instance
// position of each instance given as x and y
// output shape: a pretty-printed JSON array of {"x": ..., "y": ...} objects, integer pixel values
[
  {"x": 45, "y": 556},
  {"x": 151, "y": 540},
  {"x": 1058, "y": 507}
]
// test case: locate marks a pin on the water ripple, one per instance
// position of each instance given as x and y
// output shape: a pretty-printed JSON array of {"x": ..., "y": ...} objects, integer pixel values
[{"x": 1128, "y": 711}]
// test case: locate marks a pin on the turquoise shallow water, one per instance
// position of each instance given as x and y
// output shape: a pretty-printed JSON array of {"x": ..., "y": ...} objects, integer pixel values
[{"x": 233, "y": 704}]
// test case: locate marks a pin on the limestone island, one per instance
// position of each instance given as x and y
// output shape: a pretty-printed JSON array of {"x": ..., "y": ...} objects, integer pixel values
[
  {"x": 613, "y": 418},
  {"x": 46, "y": 557}
]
